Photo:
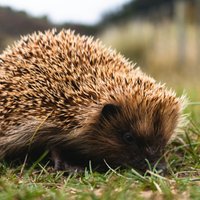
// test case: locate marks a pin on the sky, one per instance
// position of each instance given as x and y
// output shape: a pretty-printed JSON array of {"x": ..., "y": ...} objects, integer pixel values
[{"x": 59, "y": 11}]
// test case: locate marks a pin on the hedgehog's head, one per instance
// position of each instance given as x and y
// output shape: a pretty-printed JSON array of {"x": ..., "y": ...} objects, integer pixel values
[{"x": 134, "y": 134}]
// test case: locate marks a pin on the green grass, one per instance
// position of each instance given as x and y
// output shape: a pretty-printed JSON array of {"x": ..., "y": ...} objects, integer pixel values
[{"x": 182, "y": 182}]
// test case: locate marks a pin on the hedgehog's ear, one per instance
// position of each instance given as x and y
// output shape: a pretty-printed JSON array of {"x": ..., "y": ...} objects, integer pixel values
[{"x": 109, "y": 110}]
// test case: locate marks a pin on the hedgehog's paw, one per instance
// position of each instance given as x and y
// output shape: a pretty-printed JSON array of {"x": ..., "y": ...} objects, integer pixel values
[
  {"x": 62, "y": 165},
  {"x": 58, "y": 161}
]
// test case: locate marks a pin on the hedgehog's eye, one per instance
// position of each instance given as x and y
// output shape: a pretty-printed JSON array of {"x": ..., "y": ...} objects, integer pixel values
[{"x": 128, "y": 138}]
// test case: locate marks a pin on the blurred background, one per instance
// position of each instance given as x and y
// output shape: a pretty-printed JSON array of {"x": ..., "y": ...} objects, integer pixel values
[{"x": 162, "y": 37}]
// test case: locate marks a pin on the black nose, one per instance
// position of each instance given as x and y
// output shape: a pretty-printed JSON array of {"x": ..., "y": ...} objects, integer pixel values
[{"x": 161, "y": 168}]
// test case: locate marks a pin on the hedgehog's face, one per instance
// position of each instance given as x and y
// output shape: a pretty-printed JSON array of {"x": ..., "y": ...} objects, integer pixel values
[{"x": 126, "y": 141}]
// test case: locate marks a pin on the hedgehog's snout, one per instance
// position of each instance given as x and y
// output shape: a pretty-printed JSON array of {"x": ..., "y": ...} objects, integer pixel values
[
  {"x": 156, "y": 162},
  {"x": 153, "y": 162},
  {"x": 145, "y": 165},
  {"x": 161, "y": 168},
  {"x": 158, "y": 165}
]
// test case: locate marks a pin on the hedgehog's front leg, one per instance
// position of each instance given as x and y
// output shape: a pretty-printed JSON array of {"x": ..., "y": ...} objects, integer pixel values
[
  {"x": 58, "y": 163},
  {"x": 61, "y": 164}
]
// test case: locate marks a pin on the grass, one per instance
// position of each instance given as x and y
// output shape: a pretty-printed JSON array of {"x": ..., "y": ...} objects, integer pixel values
[
  {"x": 40, "y": 184},
  {"x": 182, "y": 182}
]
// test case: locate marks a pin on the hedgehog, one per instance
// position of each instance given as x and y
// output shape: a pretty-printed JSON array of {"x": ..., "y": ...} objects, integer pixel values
[{"x": 84, "y": 103}]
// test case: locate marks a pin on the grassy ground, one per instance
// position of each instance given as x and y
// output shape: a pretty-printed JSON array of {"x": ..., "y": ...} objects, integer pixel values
[{"x": 182, "y": 182}]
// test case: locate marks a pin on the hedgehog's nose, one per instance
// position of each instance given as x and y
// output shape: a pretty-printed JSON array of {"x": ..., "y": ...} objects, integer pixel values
[{"x": 161, "y": 168}]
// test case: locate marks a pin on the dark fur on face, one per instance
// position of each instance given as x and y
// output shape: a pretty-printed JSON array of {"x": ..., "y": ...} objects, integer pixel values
[{"x": 131, "y": 148}]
